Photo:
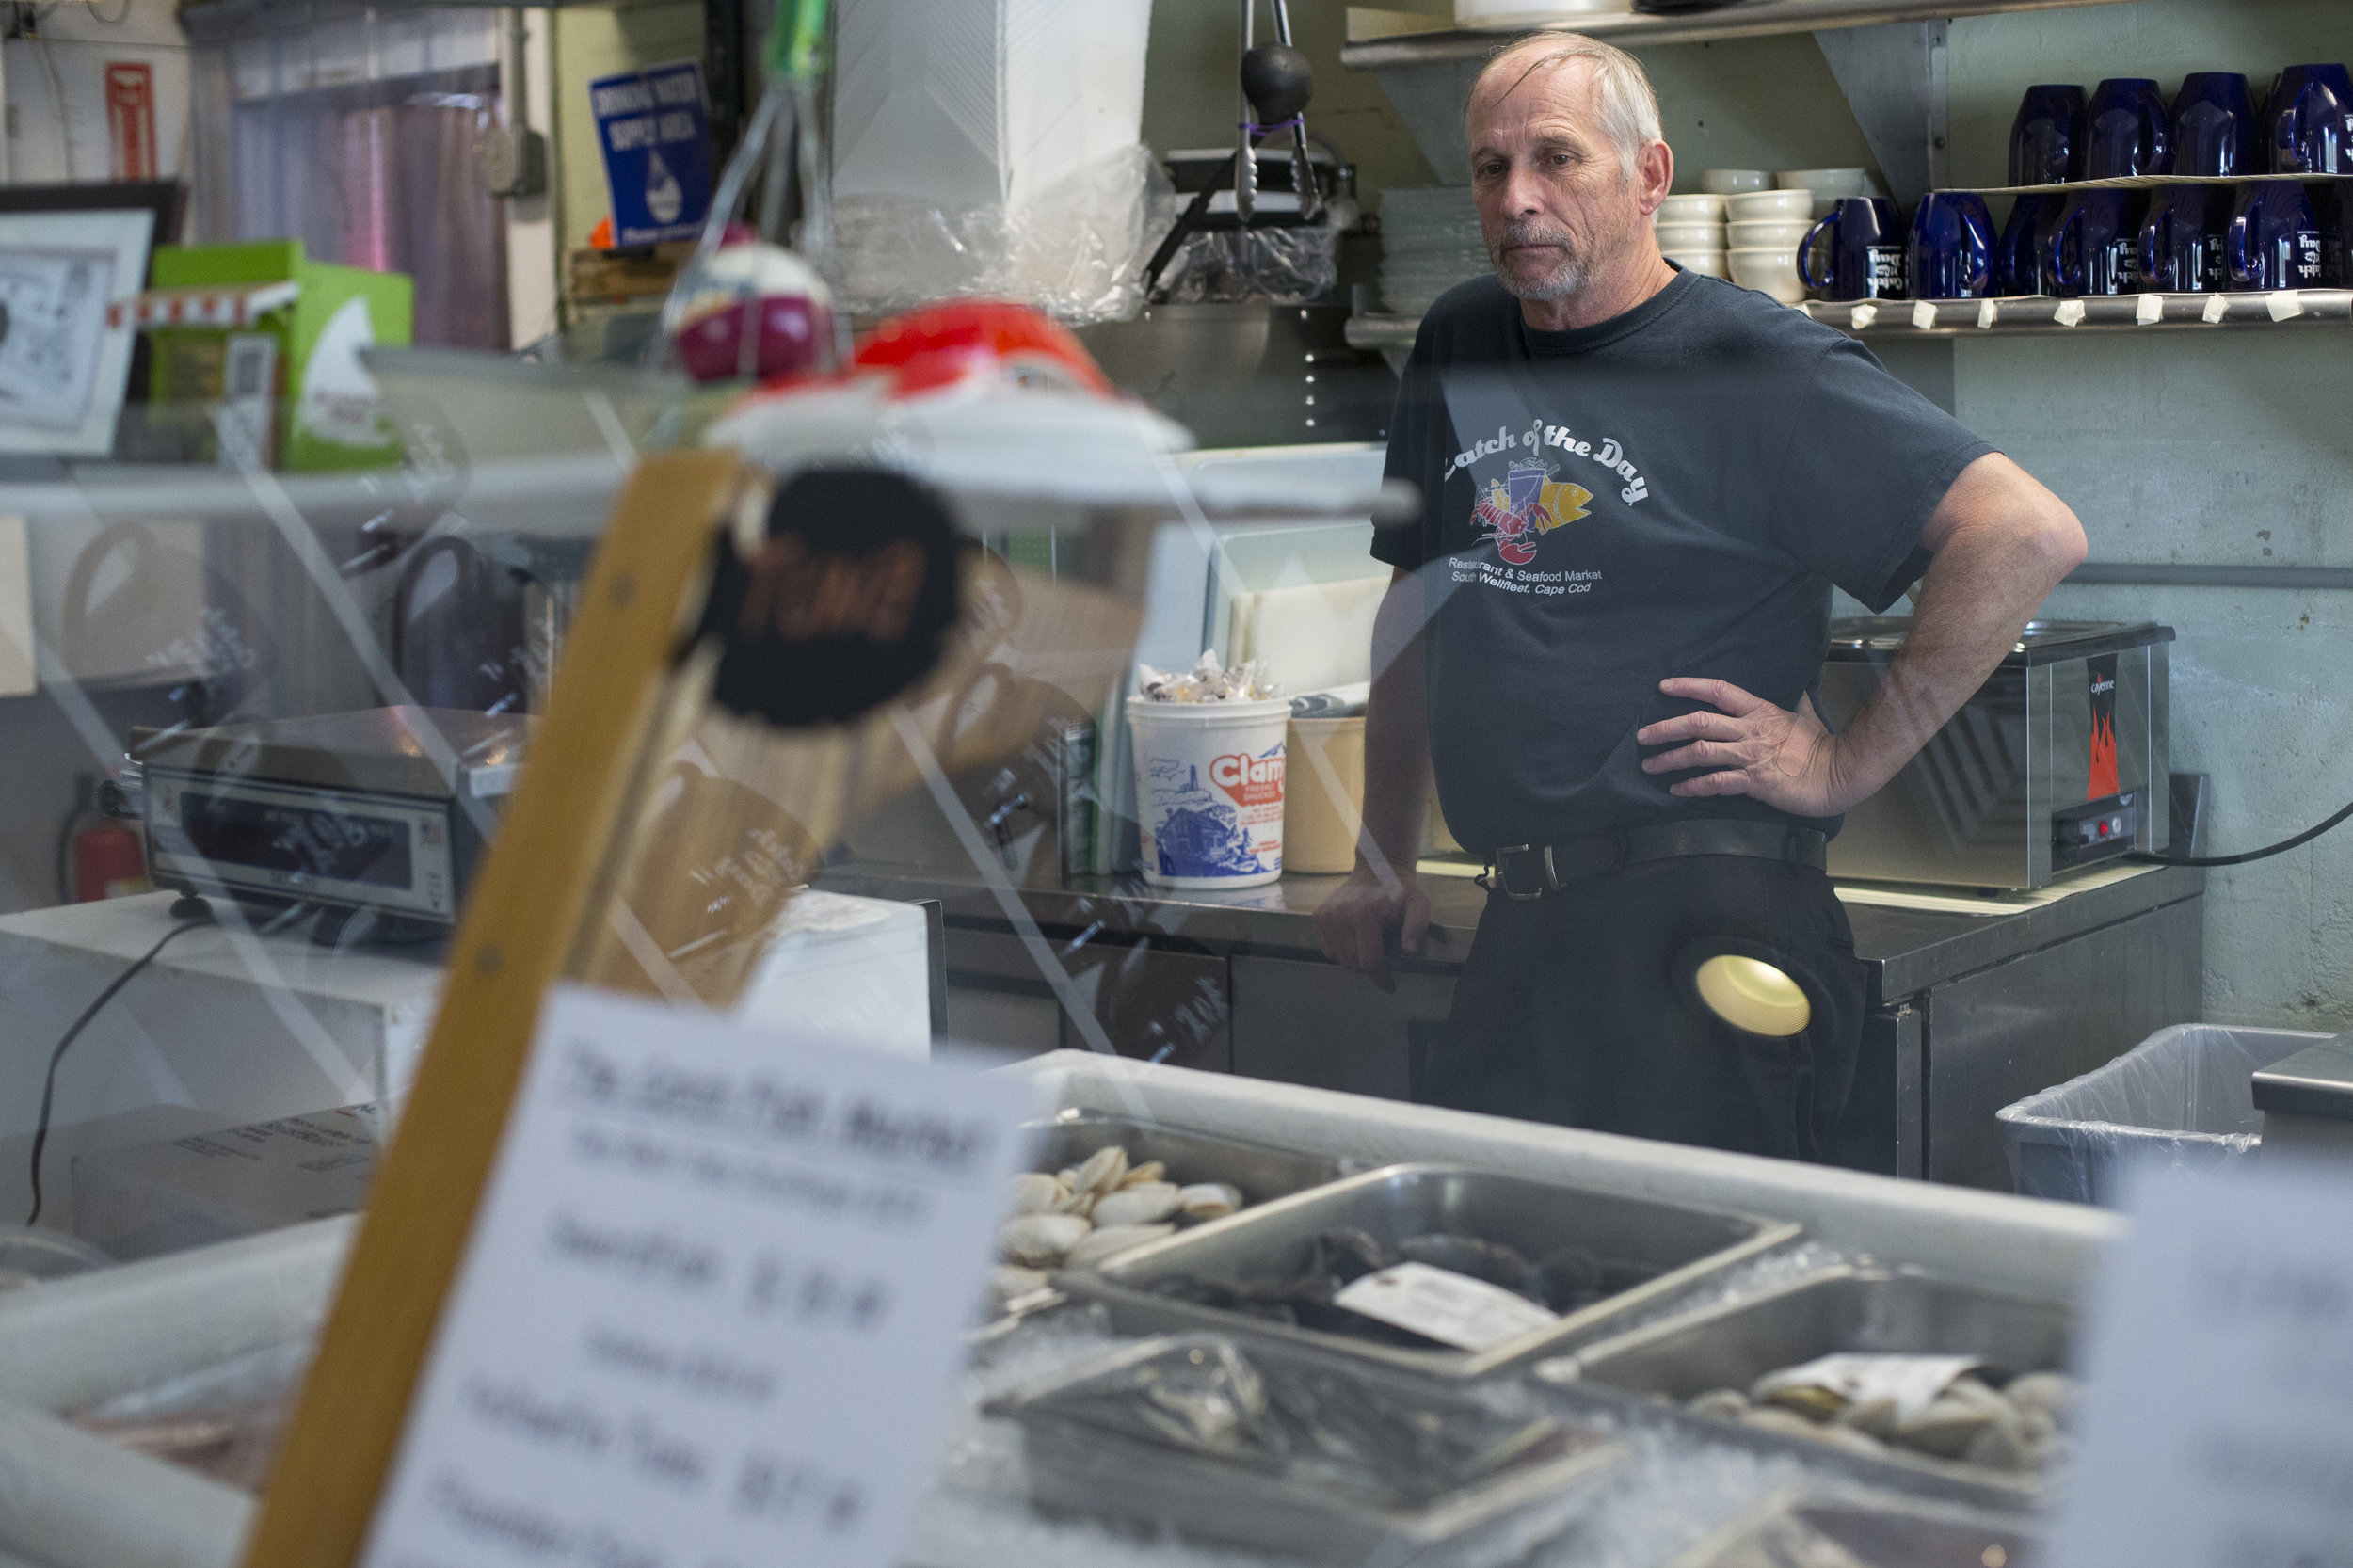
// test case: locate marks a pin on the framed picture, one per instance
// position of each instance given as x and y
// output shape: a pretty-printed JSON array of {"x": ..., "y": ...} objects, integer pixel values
[{"x": 65, "y": 346}]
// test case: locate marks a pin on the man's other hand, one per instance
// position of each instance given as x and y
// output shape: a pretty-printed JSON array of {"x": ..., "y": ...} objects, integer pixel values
[
  {"x": 1356, "y": 922},
  {"x": 1749, "y": 747}
]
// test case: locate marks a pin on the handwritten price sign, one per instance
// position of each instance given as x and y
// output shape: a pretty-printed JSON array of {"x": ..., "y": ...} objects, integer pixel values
[{"x": 711, "y": 1305}]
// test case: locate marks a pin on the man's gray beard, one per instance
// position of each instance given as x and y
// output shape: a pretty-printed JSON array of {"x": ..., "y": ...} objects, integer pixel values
[{"x": 1574, "y": 271}]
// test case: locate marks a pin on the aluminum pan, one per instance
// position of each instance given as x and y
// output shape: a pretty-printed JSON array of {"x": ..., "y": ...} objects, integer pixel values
[
  {"x": 1685, "y": 1242},
  {"x": 1076, "y": 1468},
  {"x": 1843, "y": 1308}
]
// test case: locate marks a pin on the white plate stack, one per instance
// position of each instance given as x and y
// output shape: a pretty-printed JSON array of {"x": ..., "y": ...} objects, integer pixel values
[
  {"x": 1429, "y": 242},
  {"x": 1691, "y": 233}
]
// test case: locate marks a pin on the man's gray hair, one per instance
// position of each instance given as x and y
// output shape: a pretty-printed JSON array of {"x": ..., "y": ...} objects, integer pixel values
[{"x": 1622, "y": 91}]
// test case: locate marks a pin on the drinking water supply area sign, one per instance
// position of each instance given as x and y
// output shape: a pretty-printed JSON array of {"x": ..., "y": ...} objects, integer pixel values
[{"x": 654, "y": 126}]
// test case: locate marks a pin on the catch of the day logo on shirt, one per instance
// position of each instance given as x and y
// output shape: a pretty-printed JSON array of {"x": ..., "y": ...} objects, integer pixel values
[{"x": 1525, "y": 505}]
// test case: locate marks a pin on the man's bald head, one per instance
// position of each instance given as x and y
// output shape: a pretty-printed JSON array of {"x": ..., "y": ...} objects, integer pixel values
[{"x": 1598, "y": 78}]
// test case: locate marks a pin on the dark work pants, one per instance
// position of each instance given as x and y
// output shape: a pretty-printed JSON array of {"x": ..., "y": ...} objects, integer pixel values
[{"x": 1569, "y": 1010}]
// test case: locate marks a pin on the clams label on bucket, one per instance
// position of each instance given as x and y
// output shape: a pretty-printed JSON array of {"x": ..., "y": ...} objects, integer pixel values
[{"x": 1226, "y": 824}]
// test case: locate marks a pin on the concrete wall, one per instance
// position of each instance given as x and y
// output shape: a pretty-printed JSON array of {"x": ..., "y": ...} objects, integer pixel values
[{"x": 2227, "y": 449}]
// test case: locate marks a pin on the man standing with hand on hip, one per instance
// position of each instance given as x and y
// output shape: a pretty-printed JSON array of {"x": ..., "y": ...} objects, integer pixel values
[{"x": 1639, "y": 486}]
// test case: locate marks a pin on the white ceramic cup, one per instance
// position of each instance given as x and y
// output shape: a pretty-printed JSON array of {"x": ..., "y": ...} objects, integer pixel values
[
  {"x": 1759, "y": 234},
  {"x": 1779, "y": 206},
  {"x": 1709, "y": 263},
  {"x": 1690, "y": 209},
  {"x": 1691, "y": 236},
  {"x": 1771, "y": 270},
  {"x": 1733, "y": 181}
]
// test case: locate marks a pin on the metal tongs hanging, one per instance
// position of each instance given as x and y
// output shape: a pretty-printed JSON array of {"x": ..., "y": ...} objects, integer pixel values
[{"x": 1276, "y": 82}]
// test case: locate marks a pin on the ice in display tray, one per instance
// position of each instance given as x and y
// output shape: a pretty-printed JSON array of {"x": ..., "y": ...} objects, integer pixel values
[
  {"x": 1288, "y": 1449},
  {"x": 1847, "y": 1308},
  {"x": 1854, "y": 1532},
  {"x": 1675, "y": 1244}
]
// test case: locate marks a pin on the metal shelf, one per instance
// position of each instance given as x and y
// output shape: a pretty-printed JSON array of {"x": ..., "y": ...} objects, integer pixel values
[
  {"x": 1379, "y": 38},
  {"x": 2039, "y": 316},
  {"x": 2020, "y": 316}
]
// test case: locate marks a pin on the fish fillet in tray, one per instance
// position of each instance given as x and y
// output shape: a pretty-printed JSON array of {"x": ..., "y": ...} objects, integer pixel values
[
  {"x": 1296, "y": 1450},
  {"x": 1844, "y": 1309},
  {"x": 1590, "y": 1256}
]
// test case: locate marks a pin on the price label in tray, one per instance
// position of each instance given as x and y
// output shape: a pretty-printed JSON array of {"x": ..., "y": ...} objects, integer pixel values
[{"x": 709, "y": 1312}]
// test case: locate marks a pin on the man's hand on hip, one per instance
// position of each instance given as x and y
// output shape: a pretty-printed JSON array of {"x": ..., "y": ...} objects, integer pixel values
[
  {"x": 1748, "y": 747},
  {"x": 1356, "y": 922}
]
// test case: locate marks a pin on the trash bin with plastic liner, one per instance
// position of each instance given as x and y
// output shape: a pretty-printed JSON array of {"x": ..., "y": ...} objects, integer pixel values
[{"x": 2182, "y": 1098}]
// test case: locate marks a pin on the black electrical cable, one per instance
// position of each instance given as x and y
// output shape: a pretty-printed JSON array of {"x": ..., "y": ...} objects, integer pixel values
[
  {"x": 193, "y": 912},
  {"x": 2153, "y": 858}
]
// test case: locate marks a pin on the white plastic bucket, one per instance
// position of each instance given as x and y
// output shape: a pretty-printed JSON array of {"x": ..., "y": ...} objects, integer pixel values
[{"x": 1209, "y": 791}]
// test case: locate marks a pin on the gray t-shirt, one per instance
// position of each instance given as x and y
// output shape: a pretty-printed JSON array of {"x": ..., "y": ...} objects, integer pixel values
[{"x": 1670, "y": 493}]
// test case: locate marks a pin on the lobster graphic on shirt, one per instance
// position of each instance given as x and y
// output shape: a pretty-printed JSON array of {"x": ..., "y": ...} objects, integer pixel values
[{"x": 1524, "y": 506}]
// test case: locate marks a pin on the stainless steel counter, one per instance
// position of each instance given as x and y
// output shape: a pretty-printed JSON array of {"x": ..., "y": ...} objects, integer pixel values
[
  {"x": 1906, "y": 950},
  {"x": 1968, "y": 1012}
]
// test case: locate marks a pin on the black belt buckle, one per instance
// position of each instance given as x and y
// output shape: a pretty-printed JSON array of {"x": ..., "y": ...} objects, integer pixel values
[{"x": 1499, "y": 877}]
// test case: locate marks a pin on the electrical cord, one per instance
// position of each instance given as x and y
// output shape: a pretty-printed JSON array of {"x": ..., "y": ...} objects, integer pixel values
[
  {"x": 193, "y": 912},
  {"x": 2153, "y": 858}
]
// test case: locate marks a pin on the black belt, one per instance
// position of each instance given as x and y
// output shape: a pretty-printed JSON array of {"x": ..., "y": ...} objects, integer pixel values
[{"x": 1531, "y": 870}]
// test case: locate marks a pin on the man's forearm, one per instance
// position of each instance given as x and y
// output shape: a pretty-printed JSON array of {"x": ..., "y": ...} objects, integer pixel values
[
  {"x": 1981, "y": 588},
  {"x": 1396, "y": 734}
]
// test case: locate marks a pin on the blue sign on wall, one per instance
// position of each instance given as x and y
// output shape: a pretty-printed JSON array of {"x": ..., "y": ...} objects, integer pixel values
[{"x": 655, "y": 129}]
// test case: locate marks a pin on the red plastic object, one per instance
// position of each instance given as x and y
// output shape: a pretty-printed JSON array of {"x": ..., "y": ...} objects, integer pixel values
[
  {"x": 942, "y": 343},
  {"x": 109, "y": 862},
  {"x": 712, "y": 347}
]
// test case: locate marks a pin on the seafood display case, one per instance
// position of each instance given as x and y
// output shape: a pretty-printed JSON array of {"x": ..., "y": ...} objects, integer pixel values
[
  {"x": 1053, "y": 1457},
  {"x": 1580, "y": 1258}
]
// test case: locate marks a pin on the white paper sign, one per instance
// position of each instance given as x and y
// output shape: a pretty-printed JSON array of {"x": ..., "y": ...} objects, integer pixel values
[
  {"x": 1438, "y": 1304},
  {"x": 2218, "y": 1427},
  {"x": 1911, "y": 1381},
  {"x": 708, "y": 1314}
]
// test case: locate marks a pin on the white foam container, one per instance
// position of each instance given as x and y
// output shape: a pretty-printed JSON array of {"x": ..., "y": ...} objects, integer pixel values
[{"x": 1209, "y": 791}]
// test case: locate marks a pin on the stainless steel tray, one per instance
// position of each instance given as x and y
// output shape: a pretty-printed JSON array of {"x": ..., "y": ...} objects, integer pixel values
[
  {"x": 1538, "y": 1218},
  {"x": 1262, "y": 1174},
  {"x": 1843, "y": 1308},
  {"x": 1076, "y": 1466},
  {"x": 1878, "y": 1532}
]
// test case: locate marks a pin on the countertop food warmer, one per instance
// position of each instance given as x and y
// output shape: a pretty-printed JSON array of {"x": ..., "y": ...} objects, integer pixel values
[
  {"x": 1968, "y": 1012},
  {"x": 2058, "y": 765}
]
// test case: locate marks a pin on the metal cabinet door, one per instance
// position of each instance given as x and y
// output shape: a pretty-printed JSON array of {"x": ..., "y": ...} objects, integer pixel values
[
  {"x": 1155, "y": 1001},
  {"x": 1297, "y": 1021},
  {"x": 2001, "y": 1034}
]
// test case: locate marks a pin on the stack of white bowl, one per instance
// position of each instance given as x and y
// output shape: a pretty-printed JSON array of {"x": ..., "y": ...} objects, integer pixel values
[
  {"x": 1830, "y": 185},
  {"x": 1429, "y": 242},
  {"x": 1691, "y": 233},
  {"x": 1766, "y": 228}
]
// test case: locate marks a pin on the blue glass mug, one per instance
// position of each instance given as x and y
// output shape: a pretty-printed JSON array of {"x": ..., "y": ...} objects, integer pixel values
[
  {"x": 2095, "y": 249},
  {"x": 2275, "y": 238},
  {"x": 2311, "y": 121},
  {"x": 2214, "y": 126},
  {"x": 2019, "y": 263},
  {"x": 2184, "y": 241},
  {"x": 1867, "y": 251},
  {"x": 1951, "y": 254},
  {"x": 2131, "y": 131},
  {"x": 2046, "y": 141}
]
